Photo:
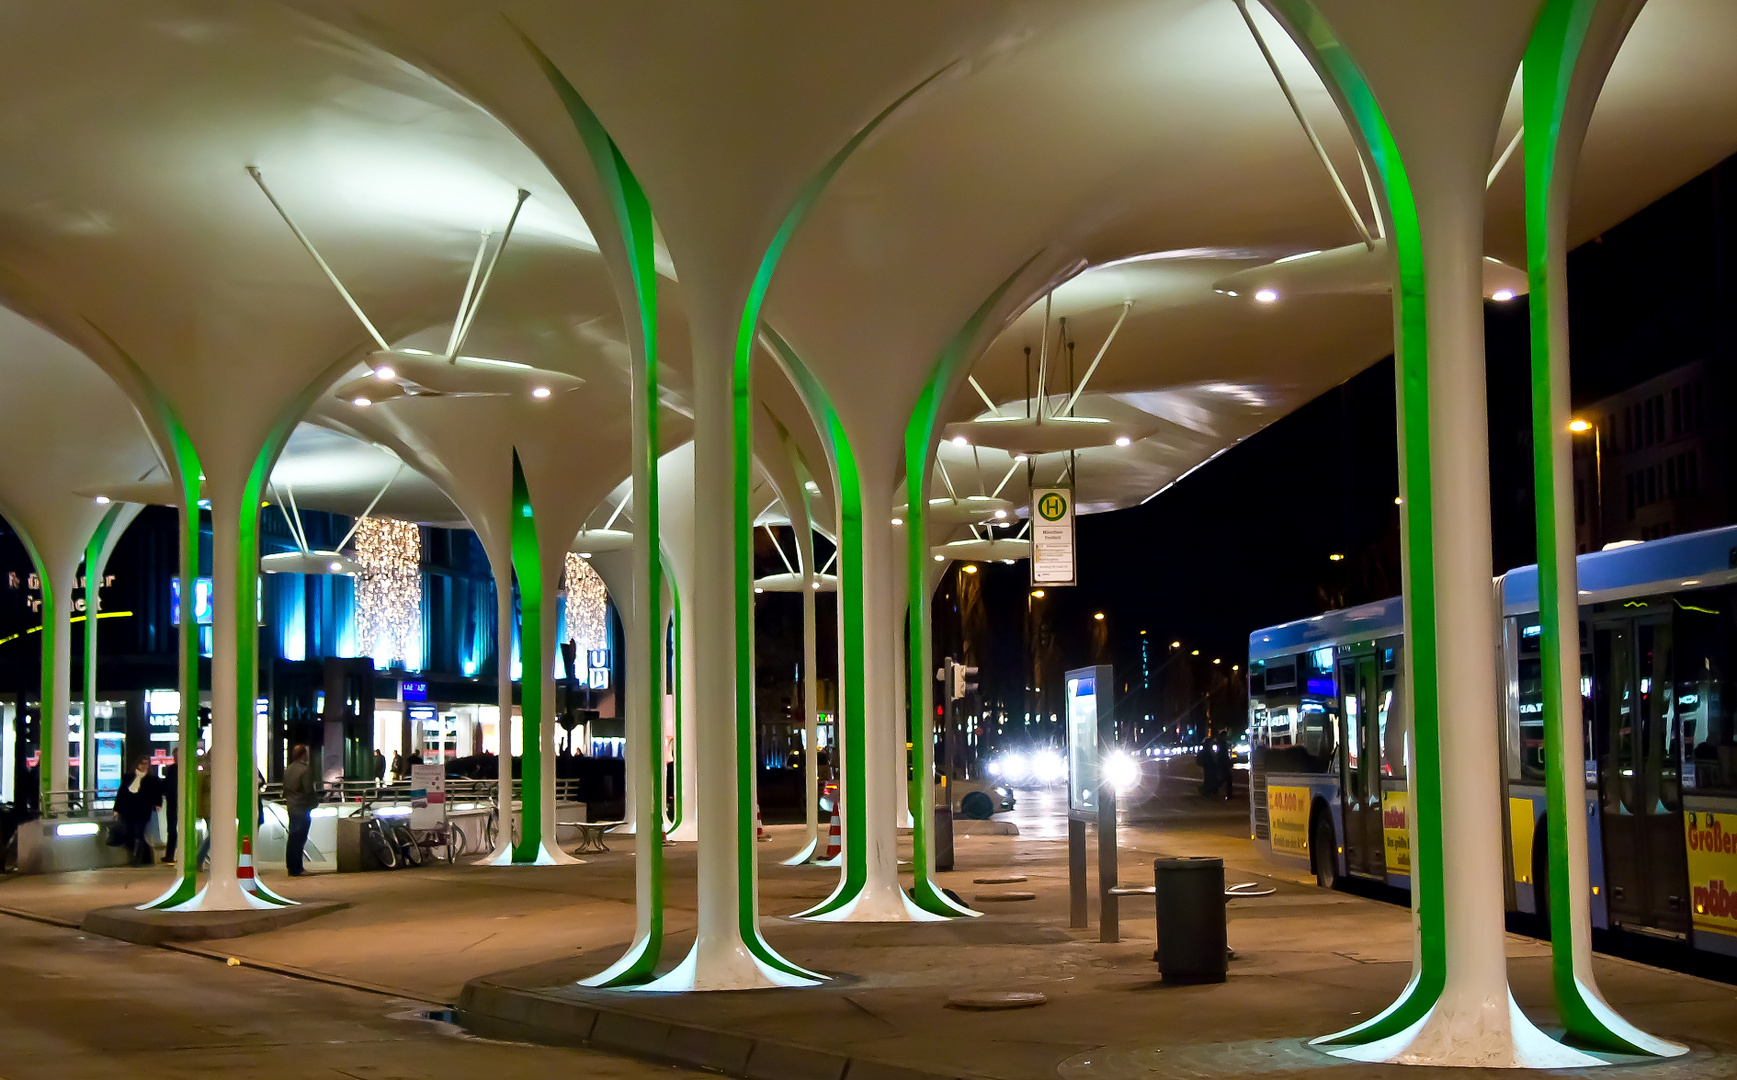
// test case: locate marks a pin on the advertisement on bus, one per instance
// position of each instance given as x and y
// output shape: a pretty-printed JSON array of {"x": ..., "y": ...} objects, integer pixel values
[
  {"x": 1288, "y": 813},
  {"x": 1712, "y": 842},
  {"x": 1396, "y": 830}
]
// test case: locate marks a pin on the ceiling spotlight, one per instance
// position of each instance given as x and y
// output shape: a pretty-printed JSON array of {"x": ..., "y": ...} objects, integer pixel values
[
  {"x": 361, "y": 402},
  {"x": 757, "y": 589},
  {"x": 1267, "y": 296},
  {"x": 940, "y": 558},
  {"x": 898, "y": 521},
  {"x": 814, "y": 584},
  {"x": 1123, "y": 440},
  {"x": 102, "y": 500},
  {"x": 584, "y": 554},
  {"x": 1176, "y": 644},
  {"x": 1099, "y": 616},
  {"x": 1000, "y": 515},
  {"x": 1580, "y": 427},
  {"x": 541, "y": 392},
  {"x": 336, "y": 567},
  {"x": 1038, "y": 593},
  {"x": 383, "y": 372},
  {"x": 1335, "y": 557},
  {"x": 1502, "y": 295},
  {"x": 1019, "y": 457},
  {"x": 1196, "y": 652},
  {"x": 970, "y": 568},
  {"x": 960, "y": 440}
]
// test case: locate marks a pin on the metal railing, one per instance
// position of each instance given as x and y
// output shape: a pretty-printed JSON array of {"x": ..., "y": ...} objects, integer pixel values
[{"x": 90, "y": 802}]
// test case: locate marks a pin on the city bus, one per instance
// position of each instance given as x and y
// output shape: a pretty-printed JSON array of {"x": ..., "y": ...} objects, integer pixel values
[{"x": 1330, "y": 741}]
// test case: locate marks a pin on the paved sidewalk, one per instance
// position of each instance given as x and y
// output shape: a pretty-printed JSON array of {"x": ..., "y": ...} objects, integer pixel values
[{"x": 1309, "y": 962}]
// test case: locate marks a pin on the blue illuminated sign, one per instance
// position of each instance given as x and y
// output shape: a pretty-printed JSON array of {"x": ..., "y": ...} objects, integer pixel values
[{"x": 413, "y": 691}]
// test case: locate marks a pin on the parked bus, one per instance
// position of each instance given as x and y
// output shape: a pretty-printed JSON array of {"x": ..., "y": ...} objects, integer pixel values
[{"x": 1330, "y": 742}]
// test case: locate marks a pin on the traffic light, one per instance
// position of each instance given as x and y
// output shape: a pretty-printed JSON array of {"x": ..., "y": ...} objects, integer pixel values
[{"x": 964, "y": 681}]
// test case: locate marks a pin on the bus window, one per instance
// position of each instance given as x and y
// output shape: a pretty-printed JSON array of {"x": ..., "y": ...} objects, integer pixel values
[
  {"x": 1529, "y": 692},
  {"x": 1531, "y": 698},
  {"x": 1705, "y": 643},
  {"x": 1395, "y": 739}
]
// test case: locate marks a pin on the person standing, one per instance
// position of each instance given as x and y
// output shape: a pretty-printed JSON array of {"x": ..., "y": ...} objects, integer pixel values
[
  {"x": 397, "y": 764},
  {"x": 1207, "y": 759},
  {"x": 301, "y": 793},
  {"x": 379, "y": 765},
  {"x": 1221, "y": 759},
  {"x": 172, "y": 808},
  {"x": 135, "y": 801}
]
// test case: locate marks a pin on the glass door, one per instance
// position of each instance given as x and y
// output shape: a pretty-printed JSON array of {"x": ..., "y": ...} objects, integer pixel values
[
  {"x": 1639, "y": 774},
  {"x": 1360, "y": 782}
]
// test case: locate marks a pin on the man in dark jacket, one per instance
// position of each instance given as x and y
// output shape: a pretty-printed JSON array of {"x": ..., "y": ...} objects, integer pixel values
[{"x": 301, "y": 793}]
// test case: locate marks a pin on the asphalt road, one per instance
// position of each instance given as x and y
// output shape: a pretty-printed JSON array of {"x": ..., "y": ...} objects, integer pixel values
[{"x": 89, "y": 1008}]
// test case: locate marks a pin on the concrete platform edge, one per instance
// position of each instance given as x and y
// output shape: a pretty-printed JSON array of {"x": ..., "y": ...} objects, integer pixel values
[
  {"x": 163, "y": 928},
  {"x": 491, "y": 1010}
]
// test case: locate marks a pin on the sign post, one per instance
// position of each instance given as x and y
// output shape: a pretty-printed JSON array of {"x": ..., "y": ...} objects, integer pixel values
[
  {"x": 1052, "y": 537},
  {"x": 1091, "y": 793}
]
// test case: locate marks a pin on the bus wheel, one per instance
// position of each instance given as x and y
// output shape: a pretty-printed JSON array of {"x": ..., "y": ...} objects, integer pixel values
[{"x": 1322, "y": 854}]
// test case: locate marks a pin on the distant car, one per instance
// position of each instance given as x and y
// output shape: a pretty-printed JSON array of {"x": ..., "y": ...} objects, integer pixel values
[{"x": 979, "y": 799}]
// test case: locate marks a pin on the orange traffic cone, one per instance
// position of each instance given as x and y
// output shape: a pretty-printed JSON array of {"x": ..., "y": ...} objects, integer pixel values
[
  {"x": 834, "y": 838},
  {"x": 244, "y": 866},
  {"x": 759, "y": 829}
]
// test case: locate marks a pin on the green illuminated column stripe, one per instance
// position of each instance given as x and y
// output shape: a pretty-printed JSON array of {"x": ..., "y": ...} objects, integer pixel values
[
  {"x": 93, "y": 565},
  {"x": 528, "y": 570},
  {"x": 949, "y": 368},
  {"x": 183, "y": 459},
  {"x": 1548, "y": 82},
  {"x": 852, "y": 726},
  {"x": 52, "y": 629},
  {"x": 634, "y": 219},
  {"x": 851, "y": 607},
  {"x": 1342, "y": 76}
]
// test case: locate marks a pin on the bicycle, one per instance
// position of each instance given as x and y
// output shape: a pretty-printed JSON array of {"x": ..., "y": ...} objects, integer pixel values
[
  {"x": 447, "y": 837},
  {"x": 377, "y": 838}
]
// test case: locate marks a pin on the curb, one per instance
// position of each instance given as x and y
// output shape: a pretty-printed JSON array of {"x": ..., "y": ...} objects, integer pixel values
[
  {"x": 176, "y": 927},
  {"x": 501, "y": 1012}
]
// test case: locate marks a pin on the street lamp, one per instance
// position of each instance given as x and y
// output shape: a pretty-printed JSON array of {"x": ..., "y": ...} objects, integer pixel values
[
  {"x": 1099, "y": 616},
  {"x": 1580, "y": 426}
]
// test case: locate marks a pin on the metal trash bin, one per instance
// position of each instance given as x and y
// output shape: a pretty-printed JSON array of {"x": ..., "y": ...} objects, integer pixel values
[{"x": 1190, "y": 903}]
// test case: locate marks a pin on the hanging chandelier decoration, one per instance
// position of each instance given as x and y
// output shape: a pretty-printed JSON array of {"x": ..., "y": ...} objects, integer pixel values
[
  {"x": 585, "y": 613},
  {"x": 389, "y": 589}
]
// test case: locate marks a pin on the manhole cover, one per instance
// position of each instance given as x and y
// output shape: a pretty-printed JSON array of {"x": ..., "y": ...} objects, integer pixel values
[
  {"x": 1004, "y": 879},
  {"x": 1005, "y": 999},
  {"x": 1003, "y": 897}
]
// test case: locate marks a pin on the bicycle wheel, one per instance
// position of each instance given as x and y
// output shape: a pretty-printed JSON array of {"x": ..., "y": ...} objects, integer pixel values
[
  {"x": 406, "y": 841},
  {"x": 453, "y": 840},
  {"x": 375, "y": 841},
  {"x": 490, "y": 831}
]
